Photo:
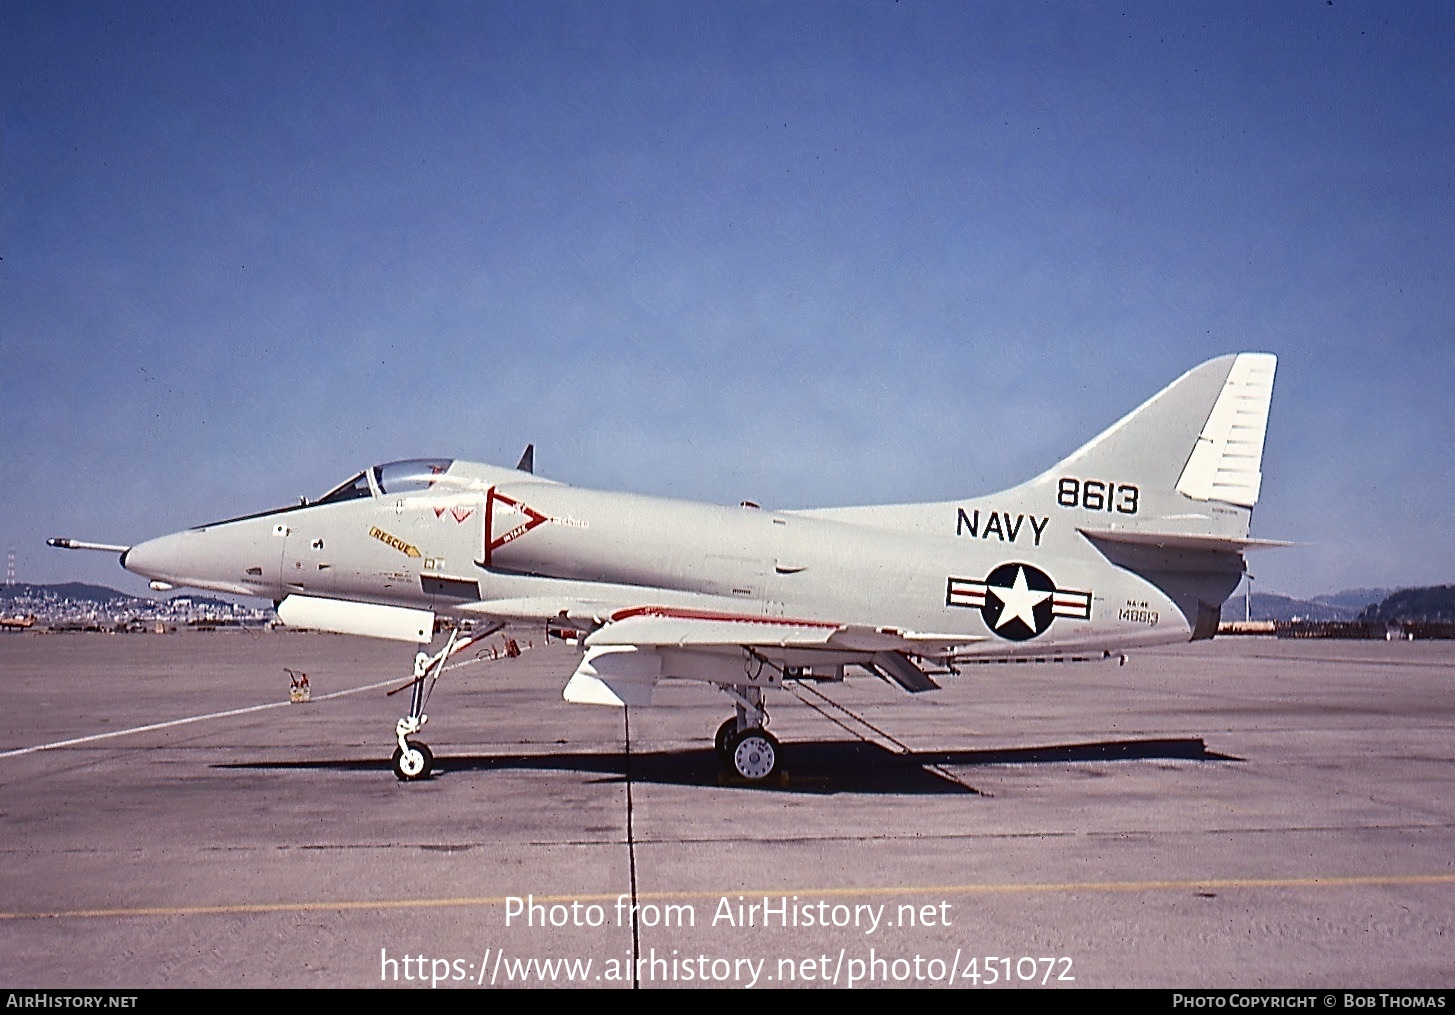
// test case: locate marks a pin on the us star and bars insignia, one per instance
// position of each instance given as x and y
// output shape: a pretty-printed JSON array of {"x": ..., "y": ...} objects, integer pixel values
[{"x": 1018, "y": 601}]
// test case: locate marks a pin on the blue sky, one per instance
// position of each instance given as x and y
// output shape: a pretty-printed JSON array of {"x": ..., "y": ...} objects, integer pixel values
[{"x": 800, "y": 253}]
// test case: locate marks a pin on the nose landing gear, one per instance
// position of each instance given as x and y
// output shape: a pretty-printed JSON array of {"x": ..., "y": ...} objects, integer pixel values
[{"x": 413, "y": 760}]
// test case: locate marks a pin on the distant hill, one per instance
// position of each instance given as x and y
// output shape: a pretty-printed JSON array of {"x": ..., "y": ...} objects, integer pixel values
[
  {"x": 1355, "y": 599},
  {"x": 1268, "y": 606},
  {"x": 1431, "y": 604},
  {"x": 77, "y": 591},
  {"x": 47, "y": 598}
]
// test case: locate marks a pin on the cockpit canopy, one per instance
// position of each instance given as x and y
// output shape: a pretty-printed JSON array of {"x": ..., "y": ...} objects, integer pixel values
[
  {"x": 408, "y": 476},
  {"x": 411, "y": 475}
]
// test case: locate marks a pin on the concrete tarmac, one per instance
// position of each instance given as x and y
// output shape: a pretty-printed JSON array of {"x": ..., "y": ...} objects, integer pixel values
[{"x": 1243, "y": 813}]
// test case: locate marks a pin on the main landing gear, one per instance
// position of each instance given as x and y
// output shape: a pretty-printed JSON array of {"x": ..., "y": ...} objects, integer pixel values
[{"x": 743, "y": 746}]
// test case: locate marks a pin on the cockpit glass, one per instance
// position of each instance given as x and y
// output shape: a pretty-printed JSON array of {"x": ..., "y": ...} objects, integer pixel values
[
  {"x": 347, "y": 490},
  {"x": 412, "y": 475}
]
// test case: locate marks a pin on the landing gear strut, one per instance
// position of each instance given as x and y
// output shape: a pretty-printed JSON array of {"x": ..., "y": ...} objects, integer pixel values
[
  {"x": 743, "y": 746},
  {"x": 412, "y": 758}
]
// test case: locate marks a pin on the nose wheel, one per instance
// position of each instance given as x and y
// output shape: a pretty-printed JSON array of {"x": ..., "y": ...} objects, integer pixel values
[{"x": 413, "y": 761}]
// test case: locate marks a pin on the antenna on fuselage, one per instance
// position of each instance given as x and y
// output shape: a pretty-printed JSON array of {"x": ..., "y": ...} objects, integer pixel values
[{"x": 527, "y": 461}]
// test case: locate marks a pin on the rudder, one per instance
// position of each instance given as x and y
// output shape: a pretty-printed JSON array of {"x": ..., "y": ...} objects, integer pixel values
[{"x": 1187, "y": 462}]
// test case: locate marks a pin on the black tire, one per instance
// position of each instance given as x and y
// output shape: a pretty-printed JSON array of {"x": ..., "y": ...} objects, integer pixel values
[
  {"x": 415, "y": 764},
  {"x": 725, "y": 733},
  {"x": 754, "y": 755}
]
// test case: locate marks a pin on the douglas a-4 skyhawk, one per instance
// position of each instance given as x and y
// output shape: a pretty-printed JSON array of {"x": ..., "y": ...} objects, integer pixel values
[{"x": 1136, "y": 539}]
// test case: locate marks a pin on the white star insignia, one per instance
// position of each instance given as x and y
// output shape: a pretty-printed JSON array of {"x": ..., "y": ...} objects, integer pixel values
[{"x": 1020, "y": 601}]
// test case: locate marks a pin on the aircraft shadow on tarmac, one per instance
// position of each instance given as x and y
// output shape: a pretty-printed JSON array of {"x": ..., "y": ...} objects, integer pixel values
[{"x": 817, "y": 766}]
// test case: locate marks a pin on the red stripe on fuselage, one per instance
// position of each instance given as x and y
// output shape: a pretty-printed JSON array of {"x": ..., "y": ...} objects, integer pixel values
[{"x": 678, "y": 613}]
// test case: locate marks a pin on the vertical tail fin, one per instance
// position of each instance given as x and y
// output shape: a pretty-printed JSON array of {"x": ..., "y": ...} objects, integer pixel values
[
  {"x": 1190, "y": 461},
  {"x": 1182, "y": 470},
  {"x": 1186, "y": 463}
]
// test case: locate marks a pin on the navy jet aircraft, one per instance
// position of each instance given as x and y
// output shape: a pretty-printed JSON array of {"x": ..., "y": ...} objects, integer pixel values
[{"x": 1136, "y": 539}]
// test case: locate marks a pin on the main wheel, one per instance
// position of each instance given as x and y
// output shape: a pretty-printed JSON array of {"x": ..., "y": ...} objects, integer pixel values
[
  {"x": 754, "y": 754},
  {"x": 415, "y": 763},
  {"x": 724, "y": 738}
]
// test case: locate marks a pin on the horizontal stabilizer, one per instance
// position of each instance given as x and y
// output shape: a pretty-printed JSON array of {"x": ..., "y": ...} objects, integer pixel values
[{"x": 1182, "y": 540}]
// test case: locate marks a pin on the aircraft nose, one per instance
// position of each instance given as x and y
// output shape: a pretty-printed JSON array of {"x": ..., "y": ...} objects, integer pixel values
[
  {"x": 155, "y": 558},
  {"x": 228, "y": 557}
]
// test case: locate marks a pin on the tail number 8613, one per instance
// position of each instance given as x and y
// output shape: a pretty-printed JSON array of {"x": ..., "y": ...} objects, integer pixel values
[{"x": 1097, "y": 495}]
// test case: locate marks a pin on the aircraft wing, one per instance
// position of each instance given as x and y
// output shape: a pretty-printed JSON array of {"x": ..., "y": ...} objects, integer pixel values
[
  {"x": 665, "y": 627},
  {"x": 786, "y": 643},
  {"x": 710, "y": 640},
  {"x": 677, "y": 627},
  {"x": 583, "y": 613},
  {"x": 662, "y": 628}
]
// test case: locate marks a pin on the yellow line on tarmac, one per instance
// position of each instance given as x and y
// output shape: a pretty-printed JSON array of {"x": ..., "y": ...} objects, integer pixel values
[{"x": 1067, "y": 887}]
